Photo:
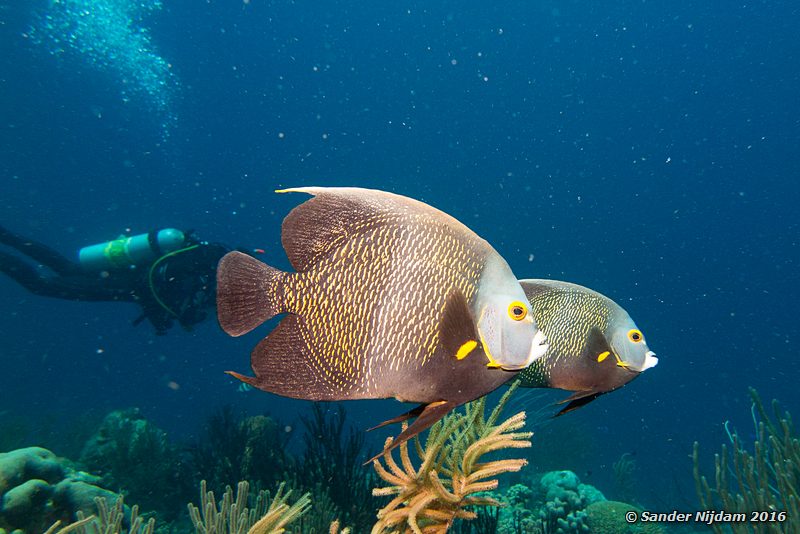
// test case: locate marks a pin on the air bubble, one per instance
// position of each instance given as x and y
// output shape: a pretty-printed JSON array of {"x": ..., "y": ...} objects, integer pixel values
[{"x": 110, "y": 36}]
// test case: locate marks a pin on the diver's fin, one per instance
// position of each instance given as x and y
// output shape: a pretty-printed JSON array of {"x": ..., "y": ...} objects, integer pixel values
[
  {"x": 431, "y": 413},
  {"x": 598, "y": 349},
  {"x": 247, "y": 293},
  {"x": 458, "y": 335},
  {"x": 576, "y": 400},
  {"x": 400, "y": 418}
]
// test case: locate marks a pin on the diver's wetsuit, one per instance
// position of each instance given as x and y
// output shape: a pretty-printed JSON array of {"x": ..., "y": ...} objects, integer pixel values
[{"x": 178, "y": 286}]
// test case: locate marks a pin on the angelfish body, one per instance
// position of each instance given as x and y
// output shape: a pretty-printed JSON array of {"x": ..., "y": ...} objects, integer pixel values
[
  {"x": 390, "y": 298},
  {"x": 593, "y": 344}
]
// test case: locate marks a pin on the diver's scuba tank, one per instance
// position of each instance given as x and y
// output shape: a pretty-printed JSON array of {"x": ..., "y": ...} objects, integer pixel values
[{"x": 127, "y": 252}]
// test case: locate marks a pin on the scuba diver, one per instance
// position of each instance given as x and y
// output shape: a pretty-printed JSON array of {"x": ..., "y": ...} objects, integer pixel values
[{"x": 170, "y": 274}]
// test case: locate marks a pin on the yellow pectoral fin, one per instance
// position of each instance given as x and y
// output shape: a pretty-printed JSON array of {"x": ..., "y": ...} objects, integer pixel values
[
  {"x": 465, "y": 349},
  {"x": 605, "y": 354}
]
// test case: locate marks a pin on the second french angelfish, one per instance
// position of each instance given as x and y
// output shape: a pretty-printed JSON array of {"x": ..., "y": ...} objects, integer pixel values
[
  {"x": 391, "y": 298},
  {"x": 594, "y": 345}
]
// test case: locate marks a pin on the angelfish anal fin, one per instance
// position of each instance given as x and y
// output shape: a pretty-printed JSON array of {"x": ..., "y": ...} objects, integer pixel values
[
  {"x": 400, "y": 418},
  {"x": 431, "y": 413},
  {"x": 458, "y": 335}
]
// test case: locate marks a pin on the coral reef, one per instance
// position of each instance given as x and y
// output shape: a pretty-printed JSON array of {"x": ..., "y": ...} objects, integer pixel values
[
  {"x": 765, "y": 479},
  {"x": 334, "y": 529},
  {"x": 334, "y": 453},
  {"x": 428, "y": 498},
  {"x": 236, "y": 448},
  {"x": 608, "y": 517},
  {"x": 624, "y": 478},
  {"x": 486, "y": 521},
  {"x": 233, "y": 515},
  {"x": 109, "y": 520},
  {"x": 449, "y": 485},
  {"x": 135, "y": 457},
  {"x": 566, "y": 500},
  {"x": 37, "y": 488},
  {"x": 556, "y": 503},
  {"x": 256, "y": 449}
]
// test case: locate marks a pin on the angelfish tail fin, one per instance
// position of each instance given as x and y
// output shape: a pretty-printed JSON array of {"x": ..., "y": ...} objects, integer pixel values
[{"x": 249, "y": 292}]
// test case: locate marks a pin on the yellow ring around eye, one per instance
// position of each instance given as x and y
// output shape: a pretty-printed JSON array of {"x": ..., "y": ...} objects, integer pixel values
[
  {"x": 635, "y": 336},
  {"x": 517, "y": 310}
]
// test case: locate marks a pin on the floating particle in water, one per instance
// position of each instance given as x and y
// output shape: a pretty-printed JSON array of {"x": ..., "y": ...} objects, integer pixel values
[{"x": 110, "y": 37}]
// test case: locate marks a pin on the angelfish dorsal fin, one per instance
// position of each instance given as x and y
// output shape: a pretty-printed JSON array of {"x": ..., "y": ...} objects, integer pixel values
[
  {"x": 316, "y": 227},
  {"x": 458, "y": 336},
  {"x": 323, "y": 224}
]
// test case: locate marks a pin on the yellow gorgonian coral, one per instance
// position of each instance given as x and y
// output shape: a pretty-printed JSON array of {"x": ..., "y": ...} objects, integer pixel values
[{"x": 429, "y": 497}]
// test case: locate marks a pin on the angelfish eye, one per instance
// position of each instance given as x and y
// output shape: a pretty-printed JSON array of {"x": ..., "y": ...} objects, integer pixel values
[
  {"x": 517, "y": 310},
  {"x": 635, "y": 336}
]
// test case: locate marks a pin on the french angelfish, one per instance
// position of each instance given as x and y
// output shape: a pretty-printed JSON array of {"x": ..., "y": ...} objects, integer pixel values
[
  {"x": 390, "y": 298},
  {"x": 594, "y": 345}
]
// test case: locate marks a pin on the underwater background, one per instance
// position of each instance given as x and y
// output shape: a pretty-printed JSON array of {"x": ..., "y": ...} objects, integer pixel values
[{"x": 648, "y": 150}]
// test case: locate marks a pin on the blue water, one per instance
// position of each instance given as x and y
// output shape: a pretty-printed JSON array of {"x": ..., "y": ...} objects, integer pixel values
[{"x": 645, "y": 149}]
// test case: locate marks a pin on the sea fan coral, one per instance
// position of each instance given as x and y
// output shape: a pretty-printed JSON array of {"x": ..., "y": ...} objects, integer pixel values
[{"x": 429, "y": 497}]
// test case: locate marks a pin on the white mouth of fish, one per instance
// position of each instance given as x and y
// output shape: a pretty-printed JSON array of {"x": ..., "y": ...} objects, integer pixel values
[
  {"x": 539, "y": 347},
  {"x": 650, "y": 360}
]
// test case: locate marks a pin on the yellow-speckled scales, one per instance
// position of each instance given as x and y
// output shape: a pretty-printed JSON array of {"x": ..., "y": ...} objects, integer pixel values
[{"x": 390, "y": 298}]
